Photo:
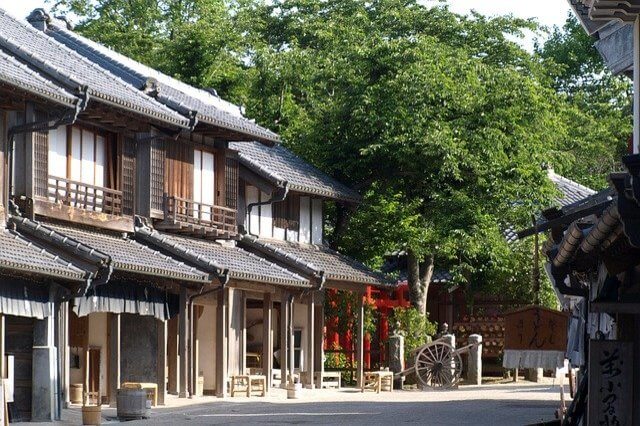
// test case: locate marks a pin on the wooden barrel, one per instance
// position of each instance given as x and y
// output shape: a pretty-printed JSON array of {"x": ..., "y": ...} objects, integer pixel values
[
  {"x": 91, "y": 414},
  {"x": 132, "y": 404},
  {"x": 75, "y": 393}
]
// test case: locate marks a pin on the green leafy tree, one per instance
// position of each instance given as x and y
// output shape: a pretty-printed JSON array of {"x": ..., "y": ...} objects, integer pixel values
[{"x": 443, "y": 122}]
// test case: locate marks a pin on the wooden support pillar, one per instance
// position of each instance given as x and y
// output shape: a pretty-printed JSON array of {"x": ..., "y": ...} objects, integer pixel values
[
  {"x": 267, "y": 339},
  {"x": 183, "y": 344},
  {"x": 284, "y": 323},
  {"x": 360, "y": 340},
  {"x": 243, "y": 333},
  {"x": 173, "y": 359},
  {"x": 3, "y": 361},
  {"x": 162, "y": 361},
  {"x": 221, "y": 343},
  {"x": 292, "y": 364},
  {"x": 319, "y": 333},
  {"x": 311, "y": 341},
  {"x": 63, "y": 350},
  {"x": 114, "y": 358},
  {"x": 636, "y": 85},
  {"x": 195, "y": 350}
]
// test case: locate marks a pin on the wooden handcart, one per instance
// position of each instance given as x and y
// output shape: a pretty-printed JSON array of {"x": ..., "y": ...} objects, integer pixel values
[{"x": 437, "y": 364}]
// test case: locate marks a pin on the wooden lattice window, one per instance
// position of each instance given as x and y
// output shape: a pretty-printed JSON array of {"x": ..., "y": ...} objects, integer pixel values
[
  {"x": 293, "y": 215},
  {"x": 40, "y": 158},
  {"x": 280, "y": 219},
  {"x": 128, "y": 176},
  {"x": 231, "y": 182},
  {"x": 157, "y": 174}
]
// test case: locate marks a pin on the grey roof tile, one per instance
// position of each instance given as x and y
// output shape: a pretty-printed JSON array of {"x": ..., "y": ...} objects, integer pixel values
[
  {"x": 18, "y": 75},
  {"x": 278, "y": 164},
  {"x": 571, "y": 191},
  {"x": 182, "y": 97},
  {"x": 241, "y": 264},
  {"x": 335, "y": 266},
  {"x": 128, "y": 255},
  {"x": 20, "y": 254},
  {"x": 74, "y": 71}
]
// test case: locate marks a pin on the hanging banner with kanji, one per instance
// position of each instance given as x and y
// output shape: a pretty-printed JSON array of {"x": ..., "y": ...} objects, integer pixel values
[
  {"x": 535, "y": 337},
  {"x": 610, "y": 382}
]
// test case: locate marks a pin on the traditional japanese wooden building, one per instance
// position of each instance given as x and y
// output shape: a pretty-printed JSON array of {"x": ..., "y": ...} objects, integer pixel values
[{"x": 128, "y": 193}]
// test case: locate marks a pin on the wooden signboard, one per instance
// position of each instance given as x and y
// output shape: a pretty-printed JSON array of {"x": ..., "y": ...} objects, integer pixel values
[
  {"x": 610, "y": 382},
  {"x": 536, "y": 329}
]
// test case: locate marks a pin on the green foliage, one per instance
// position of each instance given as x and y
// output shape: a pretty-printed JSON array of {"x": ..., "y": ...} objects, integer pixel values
[
  {"x": 337, "y": 360},
  {"x": 343, "y": 305},
  {"x": 416, "y": 328},
  {"x": 443, "y": 122}
]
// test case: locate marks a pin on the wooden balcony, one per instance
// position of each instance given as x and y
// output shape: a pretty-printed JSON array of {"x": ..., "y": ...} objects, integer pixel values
[
  {"x": 84, "y": 196},
  {"x": 197, "y": 219},
  {"x": 79, "y": 202}
]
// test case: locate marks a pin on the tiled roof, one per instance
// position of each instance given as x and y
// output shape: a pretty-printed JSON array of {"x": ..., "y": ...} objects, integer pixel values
[
  {"x": 335, "y": 266},
  {"x": 175, "y": 94},
  {"x": 75, "y": 72},
  {"x": 20, "y": 254},
  {"x": 19, "y": 75},
  {"x": 571, "y": 191},
  {"x": 240, "y": 264},
  {"x": 128, "y": 255},
  {"x": 278, "y": 164}
]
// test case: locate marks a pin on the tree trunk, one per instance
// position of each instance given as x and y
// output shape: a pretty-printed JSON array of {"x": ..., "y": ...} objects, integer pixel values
[
  {"x": 343, "y": 214},
  {"x": 419, "y": 273}
]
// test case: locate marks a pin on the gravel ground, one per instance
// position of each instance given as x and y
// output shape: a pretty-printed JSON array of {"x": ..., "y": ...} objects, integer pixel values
[{"x": 497, "y": 404}]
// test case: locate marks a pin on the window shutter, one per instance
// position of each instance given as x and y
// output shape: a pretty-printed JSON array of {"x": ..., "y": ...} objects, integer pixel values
[
  {"x": 40, "y": 158},
  {"x": 128, "y": 176},
  {"x": 157, "y": 174},
  {"x": 231, "y": 182},
  {"x": 293, "y": 222}
]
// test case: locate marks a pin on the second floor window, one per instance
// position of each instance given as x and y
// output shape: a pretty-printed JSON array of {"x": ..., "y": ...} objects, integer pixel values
[
  {"x": 81, "y": 169},
  {"x": 80, "y": 156},
  {"x": 203, "y": 183}
]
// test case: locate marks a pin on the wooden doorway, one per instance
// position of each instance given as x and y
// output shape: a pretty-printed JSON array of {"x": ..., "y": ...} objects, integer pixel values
[
  {"x": 19, "y": 344},
  {"x": 93, "y": 376}
]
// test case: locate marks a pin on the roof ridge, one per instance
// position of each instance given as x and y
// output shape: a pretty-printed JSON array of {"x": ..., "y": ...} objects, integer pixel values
[
  {"x": 122, "y": 59},
  {"x": 71, "y": 78},
  {"x": 32, "y": 88},
  {"x": 552, "y": 174}
]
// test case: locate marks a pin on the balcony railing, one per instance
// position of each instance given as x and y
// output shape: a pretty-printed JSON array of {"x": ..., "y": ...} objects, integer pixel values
[
  {"x": 186, "y": 213},
  {"x": 84, "y": 196}
]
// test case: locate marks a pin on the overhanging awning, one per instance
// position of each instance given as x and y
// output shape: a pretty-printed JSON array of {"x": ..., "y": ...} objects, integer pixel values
[
  {"x": 128, "y": 299},
  {"x": 23, "y": 299}
]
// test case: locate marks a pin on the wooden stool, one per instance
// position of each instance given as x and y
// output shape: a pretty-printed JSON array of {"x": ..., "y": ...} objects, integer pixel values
[
  {"x": 328, "y": 379},
  {"x": 378, "y": 381},
  {"x": 247, "y": 383}
]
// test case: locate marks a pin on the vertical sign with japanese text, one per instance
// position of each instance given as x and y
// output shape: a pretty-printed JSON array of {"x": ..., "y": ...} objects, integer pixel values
[{"x": 610, "y": 382}]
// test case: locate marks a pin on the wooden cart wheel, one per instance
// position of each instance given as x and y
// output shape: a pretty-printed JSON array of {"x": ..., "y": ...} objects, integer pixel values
[{"x": 438, "y": 365}]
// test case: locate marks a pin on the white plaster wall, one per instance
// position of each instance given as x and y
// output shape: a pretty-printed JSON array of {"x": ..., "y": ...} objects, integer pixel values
[
  {"x": 316, "y": 221},
  {"x": 236, "y": 325},
  {"x": 98, "y": 338},
  {"x": 207, "y": 346},
  {"x": 305, "y": 220},
  {"x": 266, "y": 221},
  {"x": 300, "y": 315},
  {"x": 253, "y": 219}
]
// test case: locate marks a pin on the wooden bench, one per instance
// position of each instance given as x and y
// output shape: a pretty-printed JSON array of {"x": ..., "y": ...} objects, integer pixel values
[
  {"x": 378, "y": 381},
  {"x": 151, "y": 388},
  {"x": 248, "y": 383},
  {"x": 328, "y": 379}
]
